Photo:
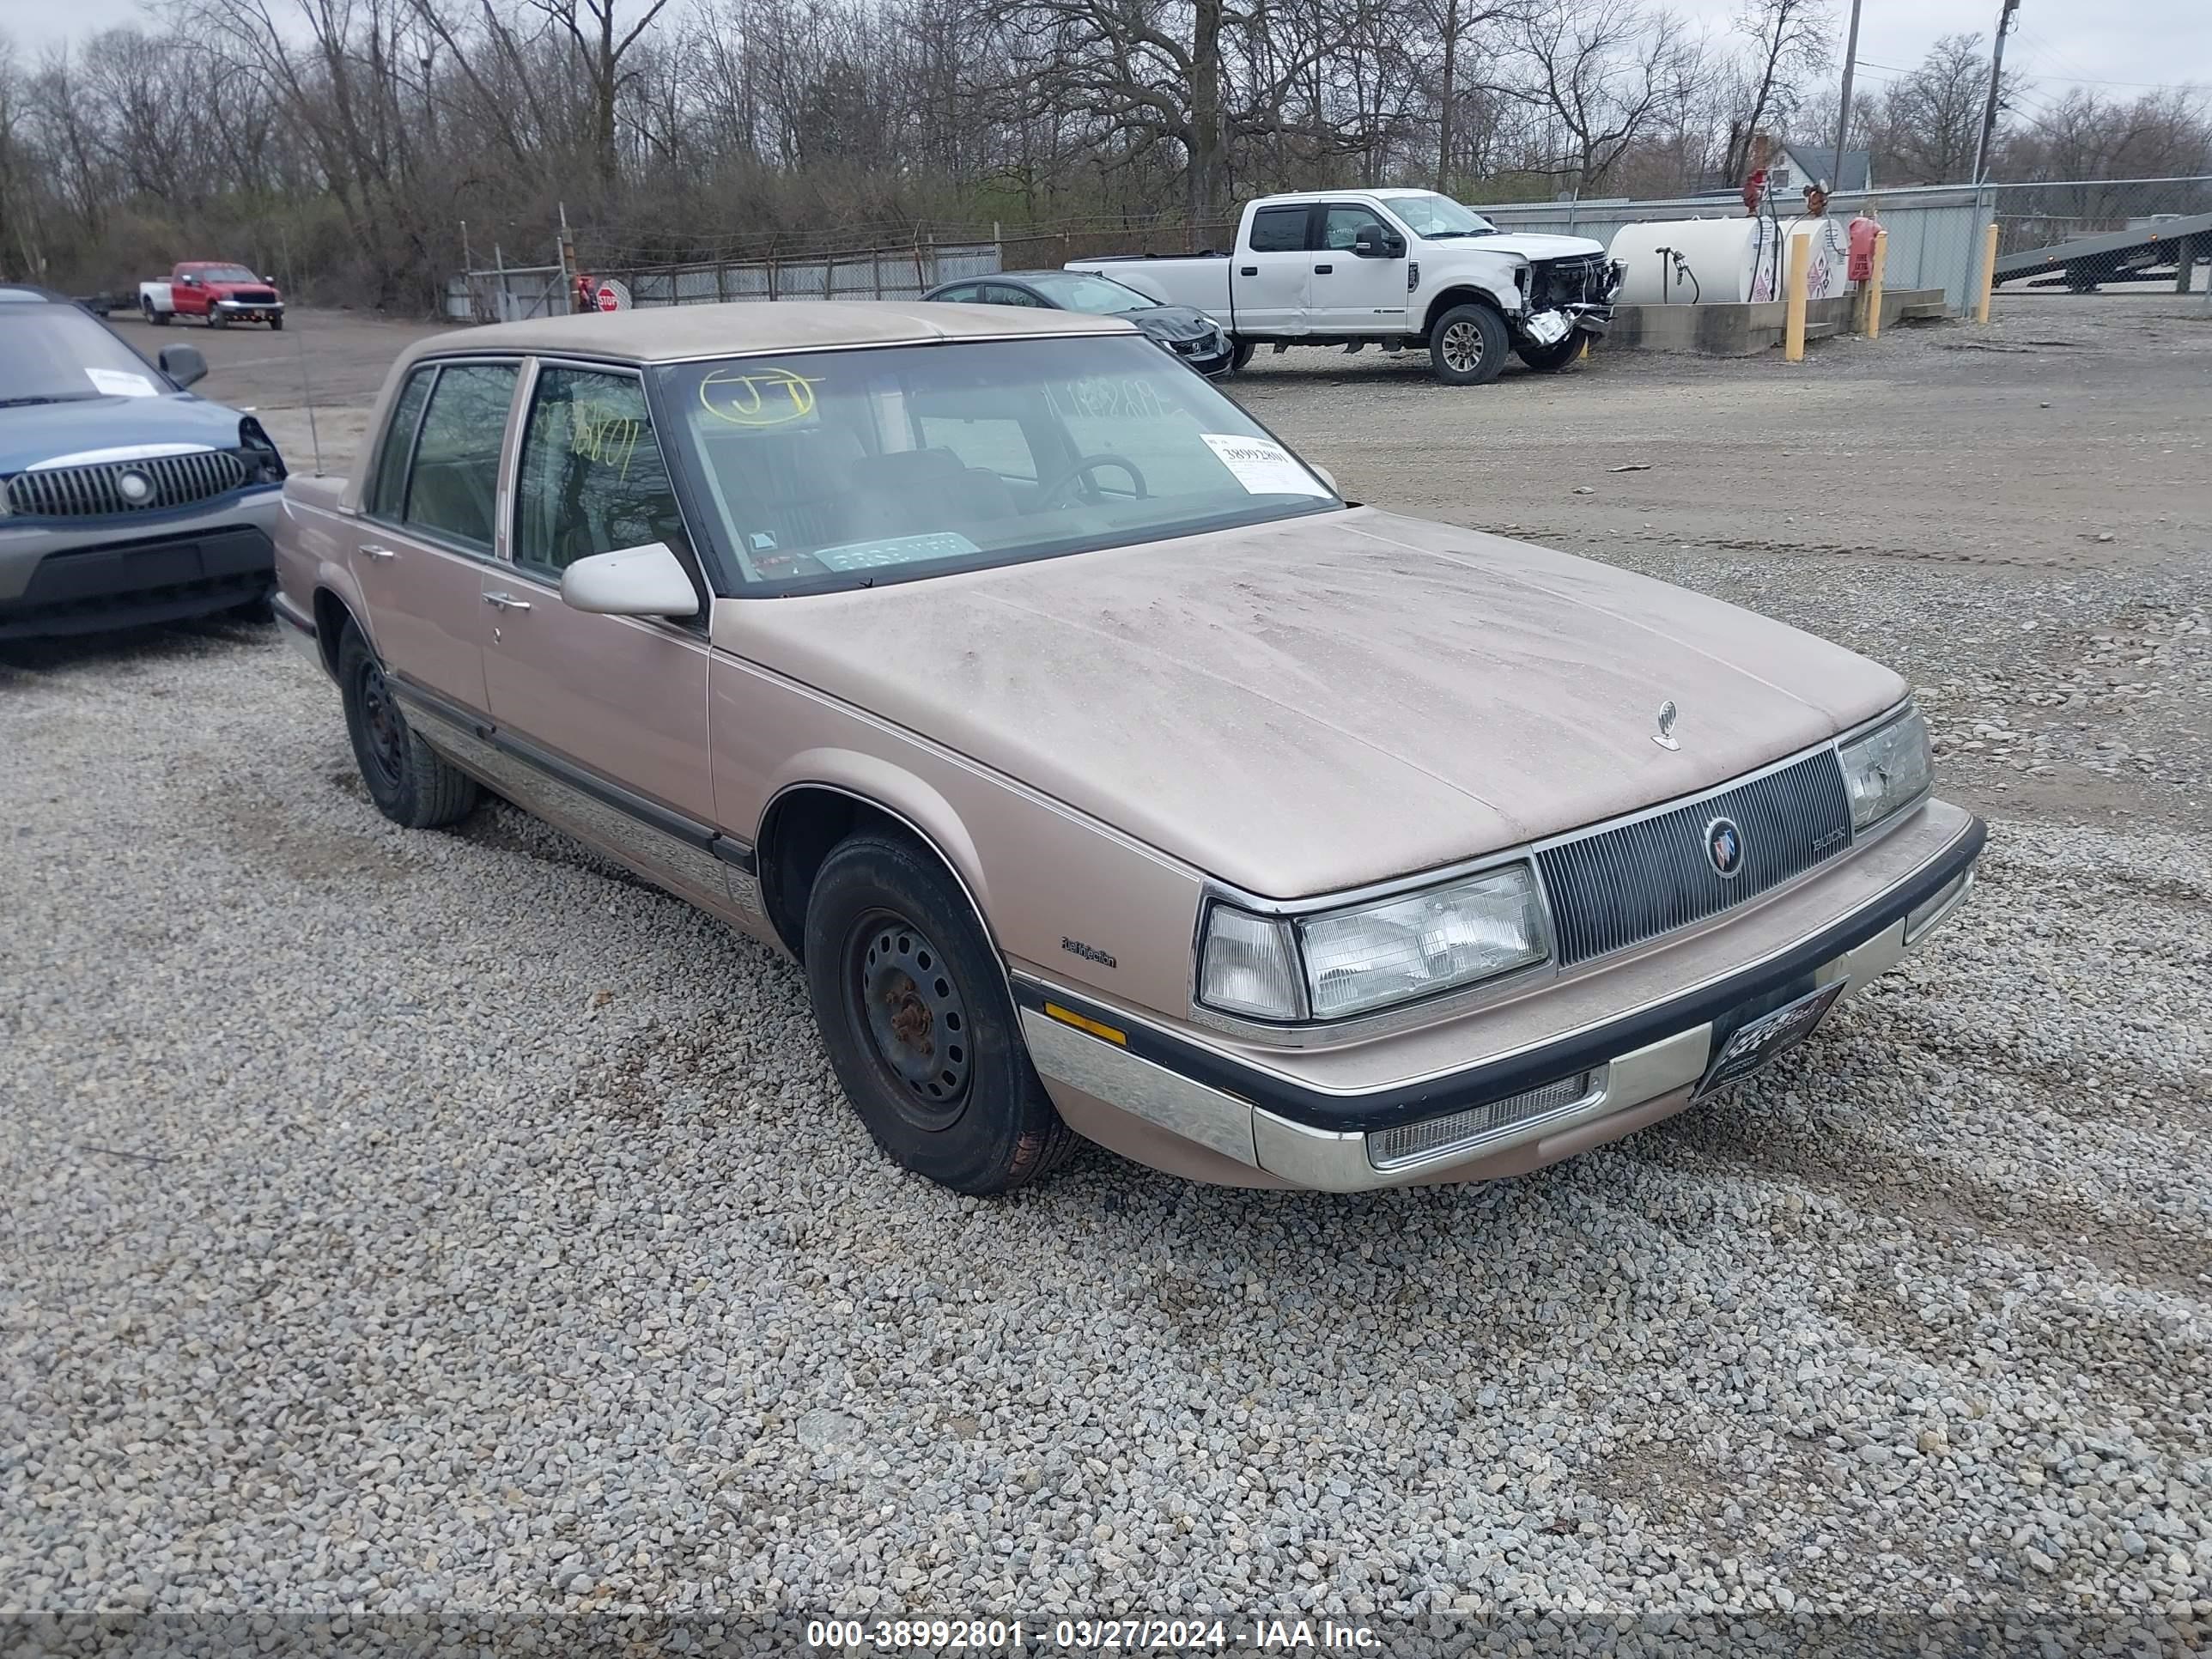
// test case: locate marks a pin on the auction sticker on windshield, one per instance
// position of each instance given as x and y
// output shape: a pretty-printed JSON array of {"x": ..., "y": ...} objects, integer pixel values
[
  {"x": 1263, "y": 468},
  {"x": 121, "y": 383}
]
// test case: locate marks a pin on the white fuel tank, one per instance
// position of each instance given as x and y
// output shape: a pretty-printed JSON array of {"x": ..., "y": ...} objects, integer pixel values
[{"x": 1732, "y": 260}]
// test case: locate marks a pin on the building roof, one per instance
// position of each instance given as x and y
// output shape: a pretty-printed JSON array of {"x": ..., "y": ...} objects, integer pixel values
[
  {"x": 1818, "y": 161},
  {"x": 741, "y": 328}
]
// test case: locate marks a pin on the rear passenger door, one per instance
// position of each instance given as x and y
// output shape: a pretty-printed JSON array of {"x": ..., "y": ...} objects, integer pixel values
[
  {"x": 428, "y": 524},
  {"x": 608, "y": 714},
  {"x": 1274, "y": 272}
]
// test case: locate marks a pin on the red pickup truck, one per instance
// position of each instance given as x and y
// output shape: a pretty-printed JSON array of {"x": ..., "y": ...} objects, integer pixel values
[{"x": 219, "y": 293}]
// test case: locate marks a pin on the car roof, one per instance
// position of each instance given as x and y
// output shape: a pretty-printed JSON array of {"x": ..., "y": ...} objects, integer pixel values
[
  {"x": 31, "y": 293},
  {"x": 743, "y": 328},
  {"x": 1373, "y": 192}
]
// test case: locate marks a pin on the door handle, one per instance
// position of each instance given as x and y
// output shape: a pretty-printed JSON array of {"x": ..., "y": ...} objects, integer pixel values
[
  {"x": 370, "y": 550},
  {"x": 506, "y": 601},
  {"x": 1323, "y": 271},
  {"x": 1248, "y": 271}
]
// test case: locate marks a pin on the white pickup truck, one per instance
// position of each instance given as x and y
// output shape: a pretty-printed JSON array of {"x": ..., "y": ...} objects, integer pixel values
[{"x": 1393, "y": 267}]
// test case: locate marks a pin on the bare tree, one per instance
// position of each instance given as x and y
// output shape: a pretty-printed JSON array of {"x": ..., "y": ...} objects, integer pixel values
[
  {"x": 1601, "y": 71},
  {"x": 1789, "y": 41}
]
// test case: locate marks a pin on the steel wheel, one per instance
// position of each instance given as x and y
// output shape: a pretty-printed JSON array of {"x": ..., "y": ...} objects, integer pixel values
[
  {"x": 384, "y": 730},
  {"x": 906, "y": 998}
]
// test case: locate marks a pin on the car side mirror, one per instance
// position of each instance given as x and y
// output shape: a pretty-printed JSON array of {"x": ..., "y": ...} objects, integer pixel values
[
  {"x": 631, "y": 581},
  {"x": 189, "y": 280},
  {"x": 1374, "y": 243},
  {"x": 182, "y": 364}
]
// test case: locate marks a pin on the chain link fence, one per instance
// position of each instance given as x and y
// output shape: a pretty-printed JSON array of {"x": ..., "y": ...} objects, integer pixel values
[{"x": 2076, "y": 235}]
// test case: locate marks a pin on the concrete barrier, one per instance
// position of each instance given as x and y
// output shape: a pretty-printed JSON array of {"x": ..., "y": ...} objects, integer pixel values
[{"x": 1744, "y": 330}]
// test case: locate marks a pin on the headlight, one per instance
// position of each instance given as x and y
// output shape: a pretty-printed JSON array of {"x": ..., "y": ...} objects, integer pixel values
[
  {"x": 1350, "y": 961},
  {"x": 1888, "y": 769},
  {"x": 259, "y": 450}
]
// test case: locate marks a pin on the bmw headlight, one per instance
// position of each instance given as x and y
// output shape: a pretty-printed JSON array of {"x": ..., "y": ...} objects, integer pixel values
[
  {"x": 1343, "y": 963},
  {"x": 1888, "y": 769}
]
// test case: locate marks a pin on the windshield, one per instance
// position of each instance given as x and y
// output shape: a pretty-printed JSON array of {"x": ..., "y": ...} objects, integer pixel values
[
  {"x": 1434, "y": 217},
  {"x": 52, "y": 354},
  {"x": 1101, "y": 296},
  {"x": 225, "y": 274},
  {"x": 842, "y": 469}
]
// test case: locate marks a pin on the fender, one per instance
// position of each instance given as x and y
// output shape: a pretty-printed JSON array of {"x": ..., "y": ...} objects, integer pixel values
[{"x": 899, "y": 793}]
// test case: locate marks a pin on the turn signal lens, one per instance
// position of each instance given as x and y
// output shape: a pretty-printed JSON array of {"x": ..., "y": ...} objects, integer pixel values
[{"x": 1247, "y": 966}]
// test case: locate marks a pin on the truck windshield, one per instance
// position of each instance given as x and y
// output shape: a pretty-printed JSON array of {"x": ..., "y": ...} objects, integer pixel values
[
  {"x": 224, "y": 274},
  {"x": 842, "y": 469},
  {"x": 1432, "y": 217},
  {"x": 56, "y": 354}
]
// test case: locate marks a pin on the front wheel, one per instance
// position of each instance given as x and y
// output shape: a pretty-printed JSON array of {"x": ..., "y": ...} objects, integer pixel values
[
  {"x": 913, "y": 1005},
  {"x": 1468, "y": 346},
  {"x": 1550, "y": 359},
  {"x": 215, "y": 318},
  {"x": 276, "y": 325}
]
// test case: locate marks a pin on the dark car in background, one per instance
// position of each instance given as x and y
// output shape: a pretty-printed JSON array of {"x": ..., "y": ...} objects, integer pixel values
[
  {"x": 1183, "y": 330},
  {"x": 124, "y": 497}
]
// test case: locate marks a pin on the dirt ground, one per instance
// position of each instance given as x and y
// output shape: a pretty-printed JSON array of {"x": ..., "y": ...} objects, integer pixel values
[{"x": 2019, "y": 516}]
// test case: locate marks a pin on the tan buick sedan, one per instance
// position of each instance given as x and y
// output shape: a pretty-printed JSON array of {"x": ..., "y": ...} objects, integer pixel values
[{"x": 1106, "y": 771}]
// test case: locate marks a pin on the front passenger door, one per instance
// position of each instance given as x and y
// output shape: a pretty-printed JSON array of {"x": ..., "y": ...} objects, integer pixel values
[
  {"x": 1352, "y": 295},
  {"x": 609, "y": 713}
]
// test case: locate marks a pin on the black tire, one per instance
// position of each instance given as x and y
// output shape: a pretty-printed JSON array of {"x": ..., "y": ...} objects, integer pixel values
[
  {"x": 215, "y": 318},
  {"x": 1468, "y": 346},
  {"x": 1241, "y": 356},
  {"x": 913, "y": 1005},
  {"x": 409, "y": 782},
  {"x": 276, "y": 325},
  {"x": 1550, "y": 359},
  {"x": 159, "y": 318}
]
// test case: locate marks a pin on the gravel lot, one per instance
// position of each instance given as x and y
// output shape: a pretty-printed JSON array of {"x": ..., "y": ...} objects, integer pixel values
[{"x": 447, "y": 1223}]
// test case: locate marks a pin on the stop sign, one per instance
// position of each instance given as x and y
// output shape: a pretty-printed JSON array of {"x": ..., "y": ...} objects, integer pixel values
[
  {"x": 611, "y": 294},
  {"x": 607, "y": 299}
]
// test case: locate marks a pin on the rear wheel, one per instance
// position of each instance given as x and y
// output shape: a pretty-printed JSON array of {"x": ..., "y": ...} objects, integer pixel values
[
  {"x": 409, "y": 782},
  {"x": 913, "y": 1005},
  {"x": 1468, "y": 346},
  {"x": 159, "y": 318},
  {"x": 1241, "y": 356},
  {"x": 1550, "y": 359}
]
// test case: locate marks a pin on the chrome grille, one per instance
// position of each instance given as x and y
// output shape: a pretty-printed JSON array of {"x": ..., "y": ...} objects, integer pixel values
[
  {"x": 97, "y": 491},
  {"x": 1614, "y": 888}
]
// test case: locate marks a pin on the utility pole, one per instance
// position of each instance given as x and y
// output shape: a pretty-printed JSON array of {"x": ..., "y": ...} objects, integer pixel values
[
  {"x": 1844, "y": 120},
  {"x": 1990, "y": 111}
]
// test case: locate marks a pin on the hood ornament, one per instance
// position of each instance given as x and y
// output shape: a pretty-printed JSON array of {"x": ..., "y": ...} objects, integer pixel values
[{"x": 1665, "y": 736}]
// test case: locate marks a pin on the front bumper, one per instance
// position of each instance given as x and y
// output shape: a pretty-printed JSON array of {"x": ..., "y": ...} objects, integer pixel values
[
  {"x": 1200, "y": 1110},
  {"x": 89, "y": 575},
  {"x": 250, "y": 310}
]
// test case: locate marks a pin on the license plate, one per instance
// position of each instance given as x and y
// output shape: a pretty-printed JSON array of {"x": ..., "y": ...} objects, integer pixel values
[{"x": 1752, "y": 1045}]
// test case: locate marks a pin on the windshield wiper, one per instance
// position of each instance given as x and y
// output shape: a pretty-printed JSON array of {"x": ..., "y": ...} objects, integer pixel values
[
  {"x": 42, "y": 398},
  {"x": 1440, "y": 235}
]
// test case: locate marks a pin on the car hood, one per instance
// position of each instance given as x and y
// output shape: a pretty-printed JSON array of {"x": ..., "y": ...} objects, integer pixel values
[
  {"x": 1528, "y": 244},
  {"x": 49, "y": 432},
  {"x": 1306, "y": 706},
  {"x": 232, "y": 290},
  {"x": 1173, "y": 322}
]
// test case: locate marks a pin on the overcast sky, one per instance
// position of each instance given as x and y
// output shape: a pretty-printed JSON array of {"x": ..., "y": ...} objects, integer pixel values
[{"x": 2104, "y": 43}]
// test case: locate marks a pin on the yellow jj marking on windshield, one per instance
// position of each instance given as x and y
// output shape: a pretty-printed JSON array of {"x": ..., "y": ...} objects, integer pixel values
[{"x": 757, "y": 397}]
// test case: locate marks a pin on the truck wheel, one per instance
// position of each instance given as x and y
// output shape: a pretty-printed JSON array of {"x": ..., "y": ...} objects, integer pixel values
[
  {"x": 215, "y": 318},
  {"x": 913, "y": 1005},
  {"x": 159, "y": 318},
  {"x": 1550, "y": 359},
  {"x": 1241, "y": 356},
  {"x": 409, "y": 782},
  {"x": 276, "y": 325},
  {"x": 1468, "y": 345}
]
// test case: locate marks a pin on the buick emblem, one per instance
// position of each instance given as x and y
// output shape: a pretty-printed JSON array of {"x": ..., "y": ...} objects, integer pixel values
[
  {"x": 1665, "y": 738},
  {"x": 1724, "y": 848},
  {"x": 136, "y": 487}
]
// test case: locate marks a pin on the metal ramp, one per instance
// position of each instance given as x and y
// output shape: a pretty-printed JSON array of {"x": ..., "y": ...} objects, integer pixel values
[{"x": 2175, "y": 244}]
